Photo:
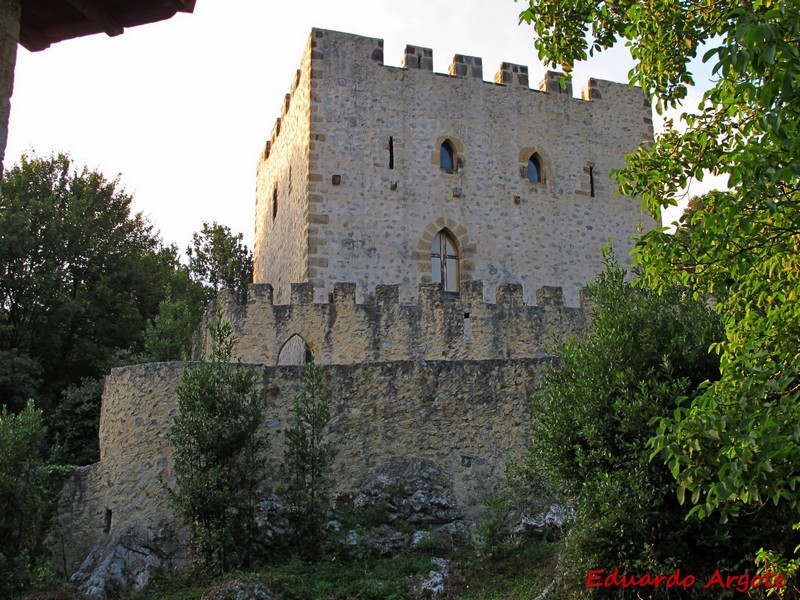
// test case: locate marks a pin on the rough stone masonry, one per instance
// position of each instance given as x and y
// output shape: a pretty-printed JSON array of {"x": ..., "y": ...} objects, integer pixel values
[{"x": 465, "y": 217}]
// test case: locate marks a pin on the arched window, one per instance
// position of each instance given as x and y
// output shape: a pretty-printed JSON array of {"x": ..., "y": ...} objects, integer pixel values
[
  {"x": 444, "y": 262},
  {"x": 535, "y": 173},
  {"x": 295, "y": 352},
  {"x": 447, "y": 157}
]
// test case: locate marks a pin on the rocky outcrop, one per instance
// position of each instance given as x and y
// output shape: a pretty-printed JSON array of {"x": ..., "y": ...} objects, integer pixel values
[
  {"x": 130, "y": 558},
  {"x": 412, "y": 489},
  {"x": 435, "y": 585}
]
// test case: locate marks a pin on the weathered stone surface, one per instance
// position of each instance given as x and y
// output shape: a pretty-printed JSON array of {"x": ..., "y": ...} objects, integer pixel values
[
  {"x": 130, "y": 557},
  {"x": 414, "y": 490},
  {"x": 428, "y": 437},
  {"x": 436, "y": 583},
  {"x": 379, "y": 128},
  {"x": 436, "y": 327}
]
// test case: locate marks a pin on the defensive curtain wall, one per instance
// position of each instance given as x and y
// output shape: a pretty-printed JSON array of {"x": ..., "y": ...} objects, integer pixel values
[
  {"x": 411, "y": 384},
  {"x": 437, "y": 326},
  {"x": 350, "y": 186}
]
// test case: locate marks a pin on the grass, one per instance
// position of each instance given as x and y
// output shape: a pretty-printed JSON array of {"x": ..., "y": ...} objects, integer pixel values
[
  {"x": 365, "y": 577},
  {"x": 522, "y": 575}
]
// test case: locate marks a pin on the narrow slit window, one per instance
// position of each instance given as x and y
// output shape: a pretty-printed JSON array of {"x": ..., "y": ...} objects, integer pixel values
[
  {"x": 535, "y": 174},
  {"x": 274, "y": 203},
  {"x": 447, "y": 157},
  {"x": 391, "y": 152},
  {"x": 591, "y": 181},
  {"x": 444, "y": 262}
]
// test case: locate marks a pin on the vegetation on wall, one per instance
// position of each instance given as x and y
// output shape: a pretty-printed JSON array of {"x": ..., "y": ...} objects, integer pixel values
[
  {"x": 307, "y": 463},
  {"x": 219, "y": 455}
]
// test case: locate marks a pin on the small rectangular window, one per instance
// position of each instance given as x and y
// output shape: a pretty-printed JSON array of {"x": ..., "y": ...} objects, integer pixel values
[{"x": 391, "y": 152}]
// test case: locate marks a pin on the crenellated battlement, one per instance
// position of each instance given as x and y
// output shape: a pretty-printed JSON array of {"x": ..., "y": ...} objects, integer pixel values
[
  {"x": 438, "y": 326},
  {"x": 351, "y": 185},
  {"x": 462, "y": 67}
]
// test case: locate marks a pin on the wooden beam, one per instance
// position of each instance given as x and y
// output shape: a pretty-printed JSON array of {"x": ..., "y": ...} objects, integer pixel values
[
  {"x": 33, "y": 40},
  {"x": 98, "y": 15},
  {"x": 186, "y": 6}
]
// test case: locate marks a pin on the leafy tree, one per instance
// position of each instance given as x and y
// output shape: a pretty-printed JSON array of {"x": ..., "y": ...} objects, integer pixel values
[
  {"x": 28, "y": 493},
  {"x": 75, "y": 423},
  {"x": 307, "y": 462},
  {"x": 219, "y": 454},
  {"x": 737, "y": 444},
  {"x": 219, "y": 259},
  {"x": 169, "y": 335},
  {"x": 20, "y": 376},
  {"x": 642, "y": 352},
  {"x": 79, "y": 278}
]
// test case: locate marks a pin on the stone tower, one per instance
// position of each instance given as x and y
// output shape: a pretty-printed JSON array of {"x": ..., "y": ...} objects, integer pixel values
[
  {"x": 383, "y": 175},
  {"x": 424, "y": 236}
]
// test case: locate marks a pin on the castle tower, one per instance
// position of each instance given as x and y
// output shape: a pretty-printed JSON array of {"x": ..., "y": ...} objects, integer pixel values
[{"x": 384, "y": 175}]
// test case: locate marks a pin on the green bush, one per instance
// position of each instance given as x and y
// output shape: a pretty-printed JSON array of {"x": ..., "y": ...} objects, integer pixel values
[
  {"x": 307, "y": 464},
  {"x": 76, "y": 423},
  {"x": 28, "y": 492},
  {"x": 642, "y": 352},
  {"x": 219, "y": 456}
]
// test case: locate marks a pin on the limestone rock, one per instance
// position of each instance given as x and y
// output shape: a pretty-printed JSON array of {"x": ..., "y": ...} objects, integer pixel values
[
  {"x": 435, "y": 585},
  {"x": 413, "y": 490},
  {"x": 130, "y": 558}
]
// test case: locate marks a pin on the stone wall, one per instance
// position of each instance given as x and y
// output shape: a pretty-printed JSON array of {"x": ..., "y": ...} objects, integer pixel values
[
  {"x": 464, "y": 418},
  {"x": 9, "y": 36},
  {"x": 377, "y": 197},
  {"x": 438, "y": 326},
  {"x": 282, "y": 183},
  {"x": 137, "y": 410}
]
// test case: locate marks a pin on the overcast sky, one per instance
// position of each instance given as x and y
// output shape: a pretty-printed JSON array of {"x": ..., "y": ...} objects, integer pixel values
[{"x": 181, "y": 109}]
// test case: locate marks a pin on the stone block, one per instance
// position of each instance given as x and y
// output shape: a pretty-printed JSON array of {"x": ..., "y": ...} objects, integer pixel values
[
  {"x": 302, "y": 293},
  {"x": 550, "y": 296}
]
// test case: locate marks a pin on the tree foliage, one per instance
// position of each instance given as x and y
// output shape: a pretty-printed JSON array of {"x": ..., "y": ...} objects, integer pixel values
[
  {"x": 79, "y": 277},
  {"x": 168, "y": 336},
  {"x": 307, "y": 462},
  {"x": 75, "y": 423},
  {"x": 28, "y": 493},
  {"x": 218, "y": 259},
  {"x": 594, "y": 409},
  {"x": 219, "y": 454},
  {"x": 737, "y": 444}
]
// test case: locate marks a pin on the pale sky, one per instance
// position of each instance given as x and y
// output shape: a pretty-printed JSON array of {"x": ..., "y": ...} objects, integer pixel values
[{"x": 181, "y": 109}]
